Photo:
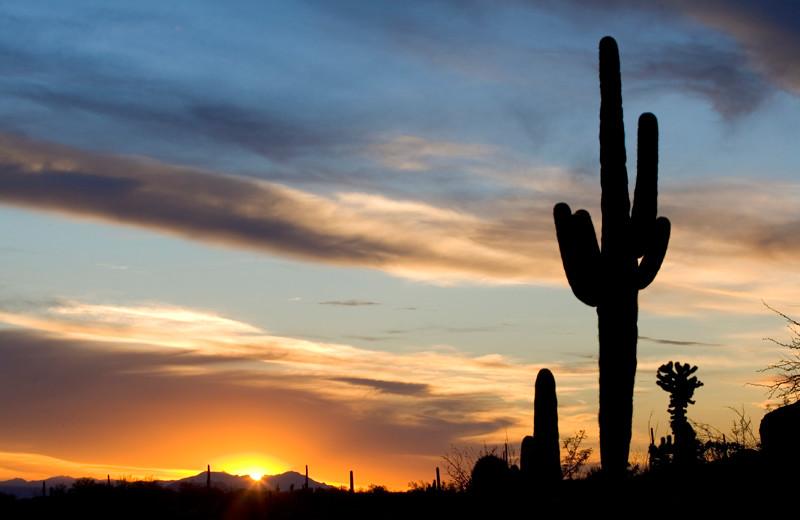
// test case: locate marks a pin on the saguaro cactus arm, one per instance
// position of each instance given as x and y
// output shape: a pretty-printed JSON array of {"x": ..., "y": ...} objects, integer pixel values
[
  {"x": 579, "y": 252},
  {"x": 645, "y": 195},
  {"x": 656, "y": 248},
  {"x": 650, "y": 234}
]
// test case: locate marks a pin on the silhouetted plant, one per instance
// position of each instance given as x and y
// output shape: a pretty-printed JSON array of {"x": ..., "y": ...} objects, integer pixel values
[
  {"x": 489, "y": 476},
  {"x": 786, "y": 385},
  {"x": 377, "y": 489},
  {"x": 675, "y": 380},
  {"x": 418, "y": 487},
  {"x": 610, "y": 277},
  {"x": 660, "y": 456},
  {"x": 575, "y": 458},
  {"x": 459, "y": 462},
  {"x": 540, "y": 459},
  {"x": 715, "y": 445}
]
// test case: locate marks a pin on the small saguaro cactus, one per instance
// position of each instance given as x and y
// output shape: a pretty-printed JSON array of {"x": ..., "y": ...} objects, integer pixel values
[
  {"x": 540, "y": 457},
  {"x": 545, "y": 455},
  {"x": 610, "y": 276}
]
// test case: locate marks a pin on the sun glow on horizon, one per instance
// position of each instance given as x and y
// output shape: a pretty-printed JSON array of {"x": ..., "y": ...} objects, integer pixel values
[
  {"x": 256, "y": 474},
  {"x": 255, "y": 465}
]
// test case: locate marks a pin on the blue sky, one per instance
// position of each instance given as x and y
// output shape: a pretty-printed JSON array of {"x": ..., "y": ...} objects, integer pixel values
[{"x": 339, "y": 217}]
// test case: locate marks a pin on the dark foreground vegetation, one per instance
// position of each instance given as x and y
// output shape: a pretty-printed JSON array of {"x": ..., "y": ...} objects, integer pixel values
[{"x": 745, "y": 483}]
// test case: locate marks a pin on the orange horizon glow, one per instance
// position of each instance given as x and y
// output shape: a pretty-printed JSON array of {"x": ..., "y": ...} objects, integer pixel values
[{"x": 253, "y": 464}]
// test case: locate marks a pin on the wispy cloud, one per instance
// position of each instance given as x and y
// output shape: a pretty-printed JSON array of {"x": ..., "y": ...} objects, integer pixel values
[
  {"x": 35, "y": 466},
  {"x": 390, "y": 387},
  {"x": 440, "y": 372},
  {"x": 712, "y": 73},
  {"x": 350, "y": 303},
  {"x": 408, "y": 152},
  {"x": 767, "y": 30},
  {"x": 679, "y": 342}
]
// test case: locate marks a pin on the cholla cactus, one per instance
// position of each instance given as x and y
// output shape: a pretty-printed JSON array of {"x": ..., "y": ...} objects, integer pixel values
[{"x": 681, "y": 387}]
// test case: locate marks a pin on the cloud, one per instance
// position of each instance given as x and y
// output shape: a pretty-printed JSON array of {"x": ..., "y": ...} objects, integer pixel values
[
  {"x": 679, "y": 343},
  {"x": 735, "y": 71},
  {"x": 185, "y": 335},
  {"x": 101, "y": 371},
  {"x": 391, "y": 387},
  {"x": 35, "y": 466},
  {"x": 767, "y": 30},
  {"x": 349, "y": 303},
  {"x": 347, "y": 229},
  {"x": 704, "y": 70},
  {"x": 716, "y": 258},
  {"x": 412, "y": 153}
]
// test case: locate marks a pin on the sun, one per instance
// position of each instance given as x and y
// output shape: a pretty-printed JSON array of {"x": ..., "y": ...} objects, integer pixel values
[
  {"x": 256, "y": 465},
  {"x": 256, "y": 473}
]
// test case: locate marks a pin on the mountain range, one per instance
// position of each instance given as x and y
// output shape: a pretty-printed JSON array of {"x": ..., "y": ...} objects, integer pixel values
[{"x": 21, "y": 488}]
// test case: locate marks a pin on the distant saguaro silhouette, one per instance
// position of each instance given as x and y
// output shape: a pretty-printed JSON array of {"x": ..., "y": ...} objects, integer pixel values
[{"x": 610, "y": 277}]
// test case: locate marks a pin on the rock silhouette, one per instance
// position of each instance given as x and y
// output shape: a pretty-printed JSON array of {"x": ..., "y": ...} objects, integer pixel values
[
  {"x": 610, "y": 276},
  {"x": 779, "y": 430}
]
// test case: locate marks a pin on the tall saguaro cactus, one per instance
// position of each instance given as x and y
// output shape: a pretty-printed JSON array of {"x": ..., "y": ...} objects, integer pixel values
[{"x": 610, "y": 277}]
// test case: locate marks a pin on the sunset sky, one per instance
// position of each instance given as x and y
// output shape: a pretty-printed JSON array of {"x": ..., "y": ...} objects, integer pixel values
[{"x": 265, "y": 234}]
